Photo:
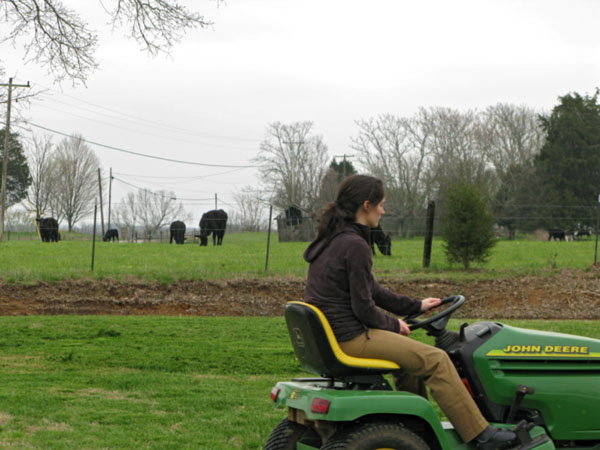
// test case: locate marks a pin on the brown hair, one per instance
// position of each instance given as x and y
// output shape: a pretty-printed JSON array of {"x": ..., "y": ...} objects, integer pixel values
[{"x": 352, "y": 193}]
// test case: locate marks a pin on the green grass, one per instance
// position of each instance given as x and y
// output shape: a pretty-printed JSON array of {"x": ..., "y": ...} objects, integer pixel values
[
  {"x": 152, "y": 382},
  {"x": 244, "y": 255}
]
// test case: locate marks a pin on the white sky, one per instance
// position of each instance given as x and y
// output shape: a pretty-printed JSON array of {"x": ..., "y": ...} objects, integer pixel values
[{"x": 331, "y": 62}]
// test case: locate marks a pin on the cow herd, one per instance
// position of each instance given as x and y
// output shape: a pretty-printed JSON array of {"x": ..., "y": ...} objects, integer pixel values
[
  {"x": 212, "y": 222},
  {"x": 557, "y": 234},
  {"x": 215, "y": 222}
]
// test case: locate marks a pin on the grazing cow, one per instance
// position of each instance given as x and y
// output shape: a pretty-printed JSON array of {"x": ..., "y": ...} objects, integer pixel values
[
  {"x": 111, "y": 235},
  {"x": 177, "y": 230},
  {"x": 582, "y": 233},
  {"x": 556, "y": 234},
  {"x": 383, "y": 241},
  {"x": 214, "y": 222},
  {"x": 48, "y": 229},
  {"x": 293, "y": 216}
]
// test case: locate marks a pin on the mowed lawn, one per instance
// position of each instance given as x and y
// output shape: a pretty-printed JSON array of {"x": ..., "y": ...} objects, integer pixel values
[
  {"x": 244, "y": 254},
  {"x": 99, "y": 382}
]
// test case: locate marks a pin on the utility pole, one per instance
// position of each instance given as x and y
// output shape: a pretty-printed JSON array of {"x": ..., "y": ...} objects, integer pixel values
[
  {"x": 215, "y": 200},
  {"x": 344, "y": 162},
  {"x": 101, "y": 208},
  {"x": 5, "y": 162},
  {"x": 110, "y": 177}
]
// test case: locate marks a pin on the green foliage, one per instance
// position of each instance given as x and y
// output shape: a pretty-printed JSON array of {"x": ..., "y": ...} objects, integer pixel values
[
  {"x": 153, "y": 382},
  {"x": 569, "y": 161},
  {"x": 19, "y": 178},
  {"x": 468, "y": 228},
  {"x": 342, "y": 168},
  {"x": 521, "y": 187}
]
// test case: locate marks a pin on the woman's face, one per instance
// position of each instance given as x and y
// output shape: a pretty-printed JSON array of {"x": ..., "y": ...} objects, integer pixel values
[{"x": 374, "y": 211}]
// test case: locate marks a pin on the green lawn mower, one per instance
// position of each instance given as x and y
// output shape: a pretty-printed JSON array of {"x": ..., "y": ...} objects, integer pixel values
[{"x": 544, "y": 386}]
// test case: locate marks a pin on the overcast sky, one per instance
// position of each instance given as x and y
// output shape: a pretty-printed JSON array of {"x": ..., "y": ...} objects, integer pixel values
[{"x": 331, "y": 62}]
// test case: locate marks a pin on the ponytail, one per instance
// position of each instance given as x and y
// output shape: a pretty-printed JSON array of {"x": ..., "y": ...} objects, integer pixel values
[{"x": 352, "y": 193}]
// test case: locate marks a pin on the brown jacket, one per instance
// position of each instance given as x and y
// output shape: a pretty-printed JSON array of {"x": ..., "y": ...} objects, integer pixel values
[{"x": 341, "y": 285}]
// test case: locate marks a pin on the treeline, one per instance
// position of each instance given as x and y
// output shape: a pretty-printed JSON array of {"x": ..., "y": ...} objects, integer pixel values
[{"x": 535, "y": 169}]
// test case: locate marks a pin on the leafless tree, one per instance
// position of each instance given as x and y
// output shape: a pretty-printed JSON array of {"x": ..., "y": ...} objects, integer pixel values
[
  {"x": 19, "y": 219},
  {"x": 292, "y": 163},
  {"x": 250, "y": 209},
  {"x": 41, "y": 167},
  {"x": 456, "y": 153},
  {"x": 58, "y": 38},
  {"x": 328, "y": 192},
  {"x": 155, "y": 209},
  {"x": 126, "y": 215},
  {"x": 396, "y": 150},
  {"x": 511, "y": 135},
  {"x": 76, "y": 168}
]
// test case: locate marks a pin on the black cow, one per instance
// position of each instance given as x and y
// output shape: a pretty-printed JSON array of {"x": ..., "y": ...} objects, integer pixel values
[
  {"x": 556, "y": 234},
  {"x": 383, "y": 241},
  {"x": 582, "y": 233},
  {"x": 177, "y": 230},
  {"x": 48, "y": 229},
  {"x": 293, "y": 216},
  {"x": 111, "y": 235},
  {"x": 214, "y": 222}
]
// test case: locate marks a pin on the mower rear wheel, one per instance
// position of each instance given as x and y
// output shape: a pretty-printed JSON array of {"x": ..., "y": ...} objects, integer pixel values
[
  {"x": 285, "y": 436},
  {"x": 376, "y": 435}
]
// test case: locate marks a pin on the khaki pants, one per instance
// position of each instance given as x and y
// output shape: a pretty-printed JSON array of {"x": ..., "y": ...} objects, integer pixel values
[{"x": 422, "y": 363}]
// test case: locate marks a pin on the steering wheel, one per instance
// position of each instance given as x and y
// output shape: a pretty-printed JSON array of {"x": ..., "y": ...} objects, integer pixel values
[{"x": 438, "y": 321}]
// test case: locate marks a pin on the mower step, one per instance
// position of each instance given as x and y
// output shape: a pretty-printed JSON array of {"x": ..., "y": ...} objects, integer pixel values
[{"x": 539, "y": 440}]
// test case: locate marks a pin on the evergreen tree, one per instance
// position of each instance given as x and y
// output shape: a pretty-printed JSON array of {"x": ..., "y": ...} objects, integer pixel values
[
  {"x": 18, "y": 177},
  {"x": 569, "y": 161},
  {"x": 343, "y": 169},
  {"x": 468, "y": 229}
]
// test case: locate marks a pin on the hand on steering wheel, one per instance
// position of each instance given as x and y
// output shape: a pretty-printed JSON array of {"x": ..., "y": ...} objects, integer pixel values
[{"x": 437, "y": 321}]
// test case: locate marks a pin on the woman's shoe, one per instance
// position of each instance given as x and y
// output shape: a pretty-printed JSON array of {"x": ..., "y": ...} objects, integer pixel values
[{"x": 493, "y": 438}]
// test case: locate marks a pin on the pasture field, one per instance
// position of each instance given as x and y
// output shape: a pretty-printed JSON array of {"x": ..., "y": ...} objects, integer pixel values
[
  {"x": 244, "y": 255},
  {"x": 153, "y": 382}
]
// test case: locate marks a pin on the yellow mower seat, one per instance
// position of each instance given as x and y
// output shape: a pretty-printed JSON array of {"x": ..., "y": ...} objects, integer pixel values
[{"x": 318, "y": 350}]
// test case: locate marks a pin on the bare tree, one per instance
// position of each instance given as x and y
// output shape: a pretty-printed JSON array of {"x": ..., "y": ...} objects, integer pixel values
[
  {"x": 328, "y": 192},
  {"x": 76, "y": 168},
  {"x": 292, "y": 163},
  {"x": 456, "y": 153},
  {"x": 126, "y": 215},
  {"x": 56, "y": 37},
  {"x": 396, "y": 150},
  {"x": 19, "y": 219},
  {"x": 250, "y": 209},
  {"x": 511, "y": 135},
  {"x": 156, "y": 209},
  {"x": 41, "y": 167}
]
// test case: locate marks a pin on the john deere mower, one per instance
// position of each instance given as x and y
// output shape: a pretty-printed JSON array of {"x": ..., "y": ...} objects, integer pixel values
[{"x": 545, "y": 386}]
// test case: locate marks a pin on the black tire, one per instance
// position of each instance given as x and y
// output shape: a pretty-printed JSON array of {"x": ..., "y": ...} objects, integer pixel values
[
  {"x": 376, "y": 435},
  {"x": 285, "y": 436}
]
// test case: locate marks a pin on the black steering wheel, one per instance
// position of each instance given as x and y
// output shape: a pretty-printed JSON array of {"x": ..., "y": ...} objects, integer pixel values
[{"x": 438, "y": 321}]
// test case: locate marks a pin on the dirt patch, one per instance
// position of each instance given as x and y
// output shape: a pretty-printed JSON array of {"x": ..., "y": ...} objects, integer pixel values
[{"x": 566, "y": 294}]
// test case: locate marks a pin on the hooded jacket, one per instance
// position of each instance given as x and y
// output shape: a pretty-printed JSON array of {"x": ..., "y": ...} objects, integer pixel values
[{"x": 341, "y": 285}]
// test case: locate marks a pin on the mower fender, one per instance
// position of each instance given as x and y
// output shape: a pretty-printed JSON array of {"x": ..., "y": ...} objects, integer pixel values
[{"x": 350, "y": 405}]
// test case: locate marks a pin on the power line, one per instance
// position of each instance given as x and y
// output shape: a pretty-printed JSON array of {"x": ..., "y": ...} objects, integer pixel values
[
  {"x": 110, "y": 147},
  {"x": 160, "y": 195},
  {"x": 144, "y": 133},
  {"x": 195, "y": 177},
  {"x": 152, "y": 122}
]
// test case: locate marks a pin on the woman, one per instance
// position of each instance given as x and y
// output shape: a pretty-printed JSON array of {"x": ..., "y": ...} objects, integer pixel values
[{"x": 341, "y": 285}]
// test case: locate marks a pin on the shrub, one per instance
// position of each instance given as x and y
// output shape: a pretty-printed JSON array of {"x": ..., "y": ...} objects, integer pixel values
[{"x": 468, "y": 230}]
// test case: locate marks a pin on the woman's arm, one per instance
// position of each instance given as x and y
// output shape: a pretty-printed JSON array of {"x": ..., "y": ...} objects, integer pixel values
[
  {"x": 395, "y": 303},
  {"x": 360, "y": 280}
]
